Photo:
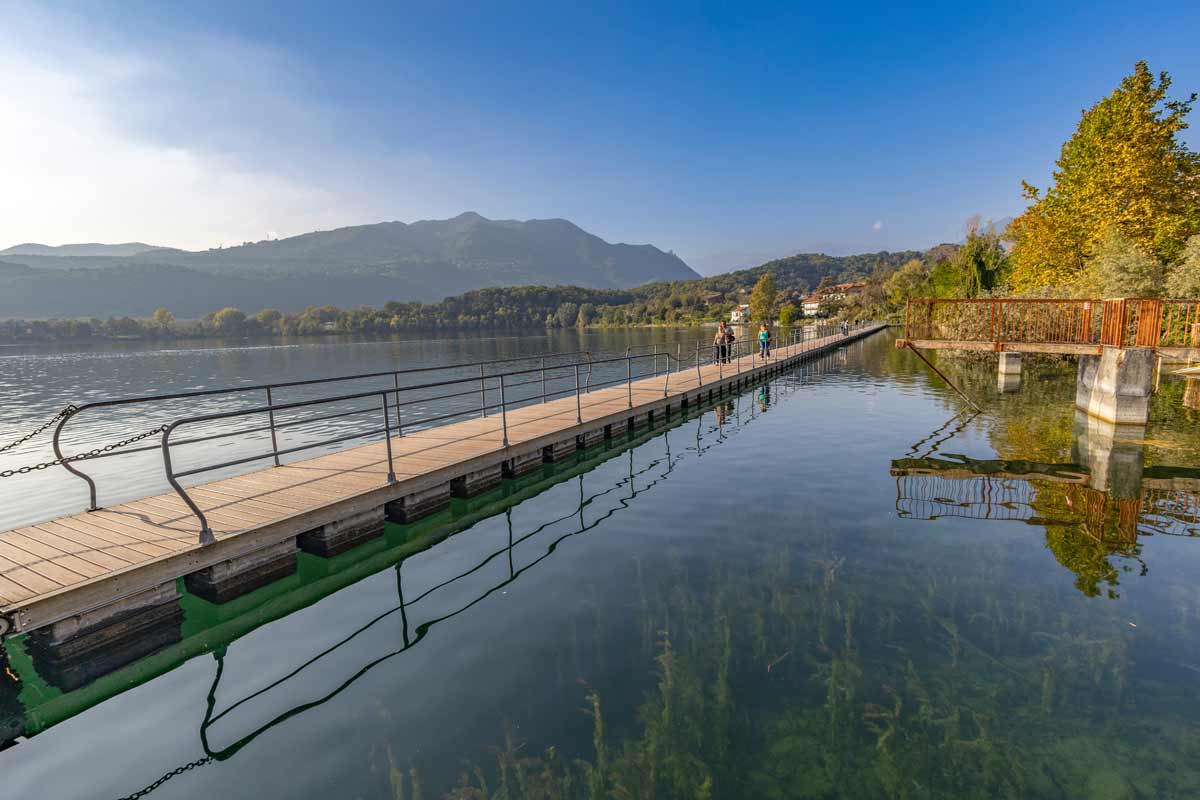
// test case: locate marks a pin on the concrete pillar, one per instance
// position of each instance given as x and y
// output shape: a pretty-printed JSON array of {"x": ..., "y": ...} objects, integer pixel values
[
  {"x": 1116, "y": 386},
  {"x": 522, "y": 464},
  {"x": 1191, "y": 394},
  {"x": 75, "y": 651},
  {"x": 242, "y": 575},
  {"x": 412, "y": 507},
  {"x": 552, "y": 453},
  {"x": 476, "y": 481},
  {"x": 338, "y": 537},
  {"x": 1010, "y": 364},
  {"x": 590, "y": 438},
  {"x": 1114, "y": 454},
  {"x": 640, "y": 420}
]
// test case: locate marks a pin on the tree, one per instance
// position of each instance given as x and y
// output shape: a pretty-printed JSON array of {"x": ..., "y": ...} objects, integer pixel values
[
  {"x": 788, "y": 314},
  {"x": 1184, "y": 278},
  {"x": 910, "y": 281},
  {"x": 229, "y": 321},
  {"x": 269, "y": 319},
  {"x": 162, "y": 321},
  {"x": 1124, "y": 167},
  {"x": 981, "y": 262},
  {"x": 567, "y": 315},
  {"x": 763, "y": 298},
  {"x": 1122, "y": 269},
  {"x": 587, "y": 313}
]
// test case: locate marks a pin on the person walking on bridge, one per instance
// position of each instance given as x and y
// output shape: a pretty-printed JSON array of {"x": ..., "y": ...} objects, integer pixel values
[
  {"x": 764, "y": 342},
  {"x": 845, "y": 328},
  {"x": 721, "y": 344}
]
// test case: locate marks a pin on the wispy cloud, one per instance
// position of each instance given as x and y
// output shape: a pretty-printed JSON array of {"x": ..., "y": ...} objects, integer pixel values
[{"x": 193, "y": 143}]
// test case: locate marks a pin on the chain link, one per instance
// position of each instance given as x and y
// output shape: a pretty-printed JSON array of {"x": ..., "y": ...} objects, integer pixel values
[
  {"x": 99, "y": 451},
  {"x": 66, "y": 412},
  {"x": 178, "y": 771}
]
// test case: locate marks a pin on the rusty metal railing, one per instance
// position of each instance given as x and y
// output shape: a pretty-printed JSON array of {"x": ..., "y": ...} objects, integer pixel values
[{"x": 1122, "y": 322}]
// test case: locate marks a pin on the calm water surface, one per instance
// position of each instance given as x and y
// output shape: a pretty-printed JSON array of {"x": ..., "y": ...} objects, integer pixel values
[{"x": 829, "y": 586}]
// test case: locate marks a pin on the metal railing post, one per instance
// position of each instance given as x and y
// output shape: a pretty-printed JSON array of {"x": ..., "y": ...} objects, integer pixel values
[
  {"x": 206, "y": 534},
  {"x": 387, "y": 437},
  {"x": 503, "y": 412},
  {"x": 482, "y": 393},
  {"x": 699, "y": 378},
  {"x": 629, "y": 376},
  {"x": 58, "y": 454},
  {"x": 667, "y": 379},
  {"x": 399, "y": 427},
  {"x": 271, "y": 422},
  {"x": 656, "y": 360},
  {"x": 544, "y": 379},
  {"x": 578, "y": 407}
]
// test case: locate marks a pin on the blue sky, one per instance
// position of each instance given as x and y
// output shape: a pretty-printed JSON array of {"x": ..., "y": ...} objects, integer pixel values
[{"x": 740, "y": 129}]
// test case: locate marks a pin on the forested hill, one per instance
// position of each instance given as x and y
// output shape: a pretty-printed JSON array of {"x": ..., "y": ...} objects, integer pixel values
[
  {"x": 804, "y": 271},
  {"x": 364, "y": 264},
  {"x": 512, "y": 308}
]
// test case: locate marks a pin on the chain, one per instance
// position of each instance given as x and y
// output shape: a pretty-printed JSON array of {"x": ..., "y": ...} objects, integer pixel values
[
  {"x": 178, "y": 771},
  {"x": 66, "y": 412},
  {"x": 99, "y": 451}
]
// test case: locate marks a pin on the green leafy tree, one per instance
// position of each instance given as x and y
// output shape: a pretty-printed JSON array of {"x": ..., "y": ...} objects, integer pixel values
[
  {"x": 981, "y": 262},
  {"x": 911, "y": 280},
  {"x": 1121, "y": 269},
  {"x": 763, "y": 300},
  {"x": 567, "y": 314},
  {"x": 1124, "y": 167},
  {"x": 788, "y": 314},
  {"x": 1184, "y": 278}
]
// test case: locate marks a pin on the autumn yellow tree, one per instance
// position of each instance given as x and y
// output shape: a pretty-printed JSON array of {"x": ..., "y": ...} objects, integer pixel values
[
  {"x": 163, "y": 321},
  {"x": 1124, "y": 169}
]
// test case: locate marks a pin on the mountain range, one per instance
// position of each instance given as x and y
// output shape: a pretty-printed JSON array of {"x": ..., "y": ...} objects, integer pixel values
[{"x": 359, "y": 265}]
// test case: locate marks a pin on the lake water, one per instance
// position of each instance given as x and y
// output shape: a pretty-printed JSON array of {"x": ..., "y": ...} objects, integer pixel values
[{"x": 827, "y": 586}]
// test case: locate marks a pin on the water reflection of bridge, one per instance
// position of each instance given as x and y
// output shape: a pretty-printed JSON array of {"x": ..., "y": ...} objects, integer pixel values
[
  {"x": 1166, "y": 502},
  {"x": 207, "y": 628}
]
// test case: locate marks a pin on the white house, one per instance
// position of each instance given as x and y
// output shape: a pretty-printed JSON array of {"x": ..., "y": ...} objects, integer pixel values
[{"x": 740, "y": 314}]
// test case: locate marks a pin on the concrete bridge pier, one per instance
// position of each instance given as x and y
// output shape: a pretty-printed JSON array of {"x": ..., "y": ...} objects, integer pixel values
[
  {"x": 75, "y": 651},
  {"x": 1008, "y": 373},
  {"x": 1115, "y": 455},
  {"x": 242, "y": 575},
  {"x": 1116, "y": 386},
  {"x": 1191, "y": 394}
]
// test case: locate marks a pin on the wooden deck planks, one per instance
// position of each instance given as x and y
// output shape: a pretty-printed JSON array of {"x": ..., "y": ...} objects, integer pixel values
[{"x": 81, "y": 549}]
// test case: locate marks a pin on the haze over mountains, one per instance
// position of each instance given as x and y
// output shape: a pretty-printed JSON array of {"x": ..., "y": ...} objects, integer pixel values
[{"x": 359, "y": 265}]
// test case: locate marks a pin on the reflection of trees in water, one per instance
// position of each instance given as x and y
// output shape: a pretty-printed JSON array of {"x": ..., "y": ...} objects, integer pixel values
[{"x": 1089, "y": 532}]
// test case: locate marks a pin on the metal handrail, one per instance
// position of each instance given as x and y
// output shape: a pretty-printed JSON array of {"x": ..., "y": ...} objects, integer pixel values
[
  {"x": 507, "y": 380},
  {"x": 206, "y": 535},
  {"x": 269, "y": 388}
]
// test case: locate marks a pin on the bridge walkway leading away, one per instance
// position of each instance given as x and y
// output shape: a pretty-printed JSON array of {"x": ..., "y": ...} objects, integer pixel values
[{"x": 98, "y": 568}]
